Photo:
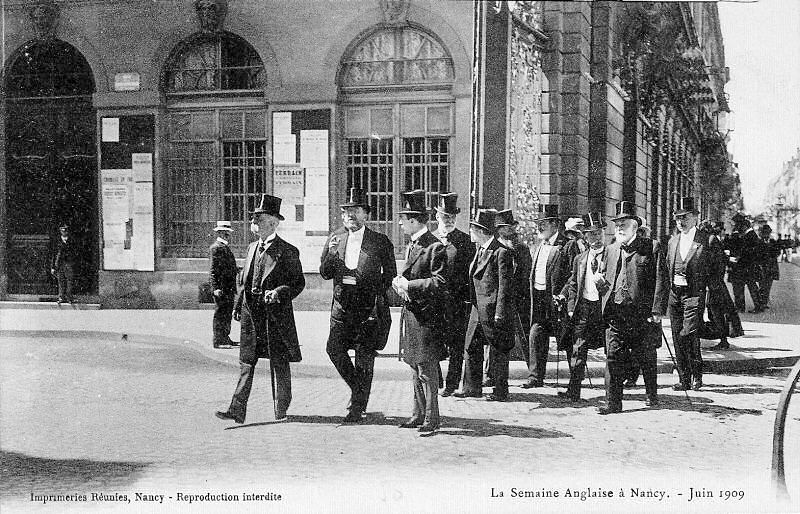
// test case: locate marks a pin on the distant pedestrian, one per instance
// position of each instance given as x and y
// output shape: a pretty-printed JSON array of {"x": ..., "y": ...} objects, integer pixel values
[
  {"x": 718, "y": 301},
  {"x": 271, "y": 279},
  {"x": 771, "y": 250},
  {"x": 223, "y": 284},
  {"x": 422, "y": 284},
  {"x": 361, "y": 264},
  {"x": 745, "y": 253},
  {"x": 64, "y": 261}
]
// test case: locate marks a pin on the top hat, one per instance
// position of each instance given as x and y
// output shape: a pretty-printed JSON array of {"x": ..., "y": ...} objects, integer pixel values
[
  {"x": 64, "y": 225},
  {"x": 357, "y": 198},
  {"x": 592, "y": 221},
  {"x": 548, "y": 212},
  {"x": 485, "y": 219},
  {"x": 269, "y": 205},
  {"x": 573, "y": 225},
  {"x": 686, "y": 206},
  {"x": 505, "y": 219},
  {"x": 414, "y": 202},
  {"x": 447, "y": 204},
  {"x": 625, "y": 210},
  {"x": 739, "y": 217},
  {"x": 223, "y": 225}
]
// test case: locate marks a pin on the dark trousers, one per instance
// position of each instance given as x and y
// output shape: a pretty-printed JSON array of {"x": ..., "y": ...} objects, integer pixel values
[
  {"x": 625, "y": 341},
  {"x": 358, "y": 375},
  {"x": 738, "y": 292},
  {"x": 685, "y": 316},
  {"x": 717, "y": 316},
  {"x": 587, "y": 322},
  {"x": 473, "y": 367},
  {"x": 425, "y": 383},
  {"x": 455, "y": 345},
  {"x": 541, "y": 330},
  {"x": 64, "y": 275},
  {"x": 766, "y": 288},
  {"x": 283, "y": 387},
  {"x": 223, "y": 311}
]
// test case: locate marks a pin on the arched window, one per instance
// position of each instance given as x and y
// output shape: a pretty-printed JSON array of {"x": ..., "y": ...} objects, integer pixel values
[
  {"x": 216, "y": 152},
  {"x": 397, "y": 56},
  {"x": 214, "y": 62},
  {"x": 395, "y": 86},
  {"x": 51, "y": 68}
]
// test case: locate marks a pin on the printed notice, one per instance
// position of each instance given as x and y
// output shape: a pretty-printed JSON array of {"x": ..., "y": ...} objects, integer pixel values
[
  {"x": 314, "y": 148},
  {"x": 284, "y": 149},
  {"x": 111, "y": 130},
  {"x": 281, "y": 123},
  {"x": 142, "y": 167}
]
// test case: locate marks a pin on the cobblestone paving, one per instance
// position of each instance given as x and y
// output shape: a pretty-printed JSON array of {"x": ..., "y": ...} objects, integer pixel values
[{"x": 92, "y": 414}]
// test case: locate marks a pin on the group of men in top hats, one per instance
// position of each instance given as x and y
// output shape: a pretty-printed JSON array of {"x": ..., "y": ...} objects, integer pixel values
[{"x": 463, "y": 293}]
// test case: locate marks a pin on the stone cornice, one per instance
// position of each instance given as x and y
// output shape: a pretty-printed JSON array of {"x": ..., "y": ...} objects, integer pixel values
[{"x": 19, "y": 5}]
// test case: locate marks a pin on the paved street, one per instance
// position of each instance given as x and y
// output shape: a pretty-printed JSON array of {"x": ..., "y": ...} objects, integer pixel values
[{"x": 90, "y": 412}]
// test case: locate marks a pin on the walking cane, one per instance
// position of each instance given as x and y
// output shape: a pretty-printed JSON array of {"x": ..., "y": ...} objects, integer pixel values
[
  {"x": 674, "y": 363},
  {"x": 271, "y": 368}
]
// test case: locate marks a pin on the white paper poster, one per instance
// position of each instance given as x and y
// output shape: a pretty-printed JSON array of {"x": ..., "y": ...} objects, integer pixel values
[
  {"x": 110, "y": 130},
  {"x": 281, "y": 123},
  {"x": 142, "y": 239},
  {"x": 127, "y": 222},
  {"x": 316, "y": 214},
  {"x": 314, "y": 148},
  {"x": 142, "y": 164},
  {"x": 317, "y": 182},
  {"x": 284, "y": 149}
]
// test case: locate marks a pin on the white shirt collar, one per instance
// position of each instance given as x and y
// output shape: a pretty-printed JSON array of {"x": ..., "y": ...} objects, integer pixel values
[
  {"x": 443, "y": 231},
  {"x": 418, "y": 234},
  {"x": 689, "y": 234},
  {"x": 631, "y": 241},
  {"x": 220, "y": 240},
  {"x": 270, "y": 238},
  {"x": 552, "y": 239},
  {"x": 487, "y": 243},
  {"x": 594, "y": 252},
  {"x": 358, "y": 234}
]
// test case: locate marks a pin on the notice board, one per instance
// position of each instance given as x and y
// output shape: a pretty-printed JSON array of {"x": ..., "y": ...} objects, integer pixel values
[{"x": 126, "y": 175}]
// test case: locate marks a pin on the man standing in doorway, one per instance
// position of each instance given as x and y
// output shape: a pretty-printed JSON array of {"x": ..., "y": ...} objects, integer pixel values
[
  {"x": 272, "y": 278},
  {"x": 65, "y": 259},
  {"x": 361, "y": 264},
  {"x": 460, "y": 252},
  {"x": 223, "y": 284}
]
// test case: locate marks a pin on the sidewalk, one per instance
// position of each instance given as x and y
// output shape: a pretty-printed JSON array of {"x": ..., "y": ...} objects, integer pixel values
[{"x": 764, "y": 345}]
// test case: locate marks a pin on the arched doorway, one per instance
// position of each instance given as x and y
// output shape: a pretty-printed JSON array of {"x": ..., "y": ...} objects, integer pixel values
[{"x": 51, "y": 164}]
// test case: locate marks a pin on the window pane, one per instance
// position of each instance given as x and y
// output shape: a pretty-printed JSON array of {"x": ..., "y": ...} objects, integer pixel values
[
  {"x": 381, "y": 122},
  {"x": 439, "y": 120}
]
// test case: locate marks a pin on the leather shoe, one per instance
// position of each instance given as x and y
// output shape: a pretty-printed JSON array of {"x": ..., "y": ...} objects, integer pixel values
[
  {"x": 222, "y": 346},
  {"x": 629, "y": 383},
  {"x": 428, "y": 428},
  {"x": 532, "y": 383},
  {"x": 697, "y": 385},
  {"x": 488, "y": 383},
  {"x": 467, "y": 394},
  {"x": 496, "y": 398},
  {"x": 233, "y": 343},
  {"x": 228, "y": 416},
  {"x": 721, "y": 346},
  {"x": 651, "y": 401},
  {"x": 352, "y": 417},
  {"x": 411, "y": 423},
  {"x": 447, "y": 392},
  {"x": 605, "y": 410},
  {"x": 681, "y": 387}
]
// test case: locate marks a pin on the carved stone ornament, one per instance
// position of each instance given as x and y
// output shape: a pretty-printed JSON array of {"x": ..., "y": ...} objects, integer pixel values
[
  {"x": 210, "y": 14},
  {"x": 44, "y": 17},
  {"x": 395, "y": 12}
]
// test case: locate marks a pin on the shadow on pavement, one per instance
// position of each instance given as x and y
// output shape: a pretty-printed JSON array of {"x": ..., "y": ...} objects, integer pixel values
[
  {"x": 470, "y": 427},
  {"x": 742, "y": 389},
  {"x": 22, "y": 474}
]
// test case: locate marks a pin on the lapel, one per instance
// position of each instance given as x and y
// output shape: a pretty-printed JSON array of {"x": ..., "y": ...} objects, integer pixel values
[
  {"x": 613, "y": 259},
  {"x": 342, "y": 247},
  {"x": 366, "y": 244},
  {"x": 487, "y": 256},
  {"x": 535, "y": 254},
  {"x": 694, "y": 247},
  {"x": 582, "y": 272},
  {"x": 672, "y": 252},
  {"x": 416, "y": 251},
  {"x": 271, "y": 257},
  {"x": 251, "y": 251}
]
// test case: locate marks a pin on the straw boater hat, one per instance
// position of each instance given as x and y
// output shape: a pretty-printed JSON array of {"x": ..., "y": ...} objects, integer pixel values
[
  {"x": 357, "y": 198},
  {"x": 686, "y": 207},
  {"x": 592, "y": 221},
  {"x": 485, "y": 219},
  {"x": 414, "y": 202},
  {"x": 573, "y": 225},
  {"x": 223, "y": 226},
  {"x": 269, "y": 205},
  {"x": 625, "y": 210},
  {"x": 505, "y": 219}
]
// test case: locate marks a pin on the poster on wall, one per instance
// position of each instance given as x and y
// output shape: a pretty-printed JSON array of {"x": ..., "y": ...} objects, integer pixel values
[
  {"x": 116, "y": 193},
  {"x": 288, "y": 183}
]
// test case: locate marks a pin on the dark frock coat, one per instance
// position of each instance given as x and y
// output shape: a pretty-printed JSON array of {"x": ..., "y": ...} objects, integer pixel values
[
  {"x": 271, "y": 327},
  {"x": 492, "y": 298},
  {"x": 423, "y": 319}
]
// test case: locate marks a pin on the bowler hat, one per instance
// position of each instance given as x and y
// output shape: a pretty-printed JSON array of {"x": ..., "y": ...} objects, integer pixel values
[
  {"x": 625, "y": 210},
  {"x": 505, "y": 219},
  {"x": 739, "y": 217},
  {"x": 223, "y": 226},
  {"x": 548, "y": 212},
  {"x": 447, "y": 204},
  {"x": 573, "y": 225},
  {"x": 357, "y": 198},
  {"x": 592, "y": 221},
  {"x": 485, "y": 219},
  {"x": 414, "y": 202},
  {"x": 686, "y": 206},
  {"x": 269, "y": 205}
]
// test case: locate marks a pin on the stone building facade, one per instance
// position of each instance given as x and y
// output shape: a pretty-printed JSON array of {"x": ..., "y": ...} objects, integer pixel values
[{"x": 141, "y": 123}]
